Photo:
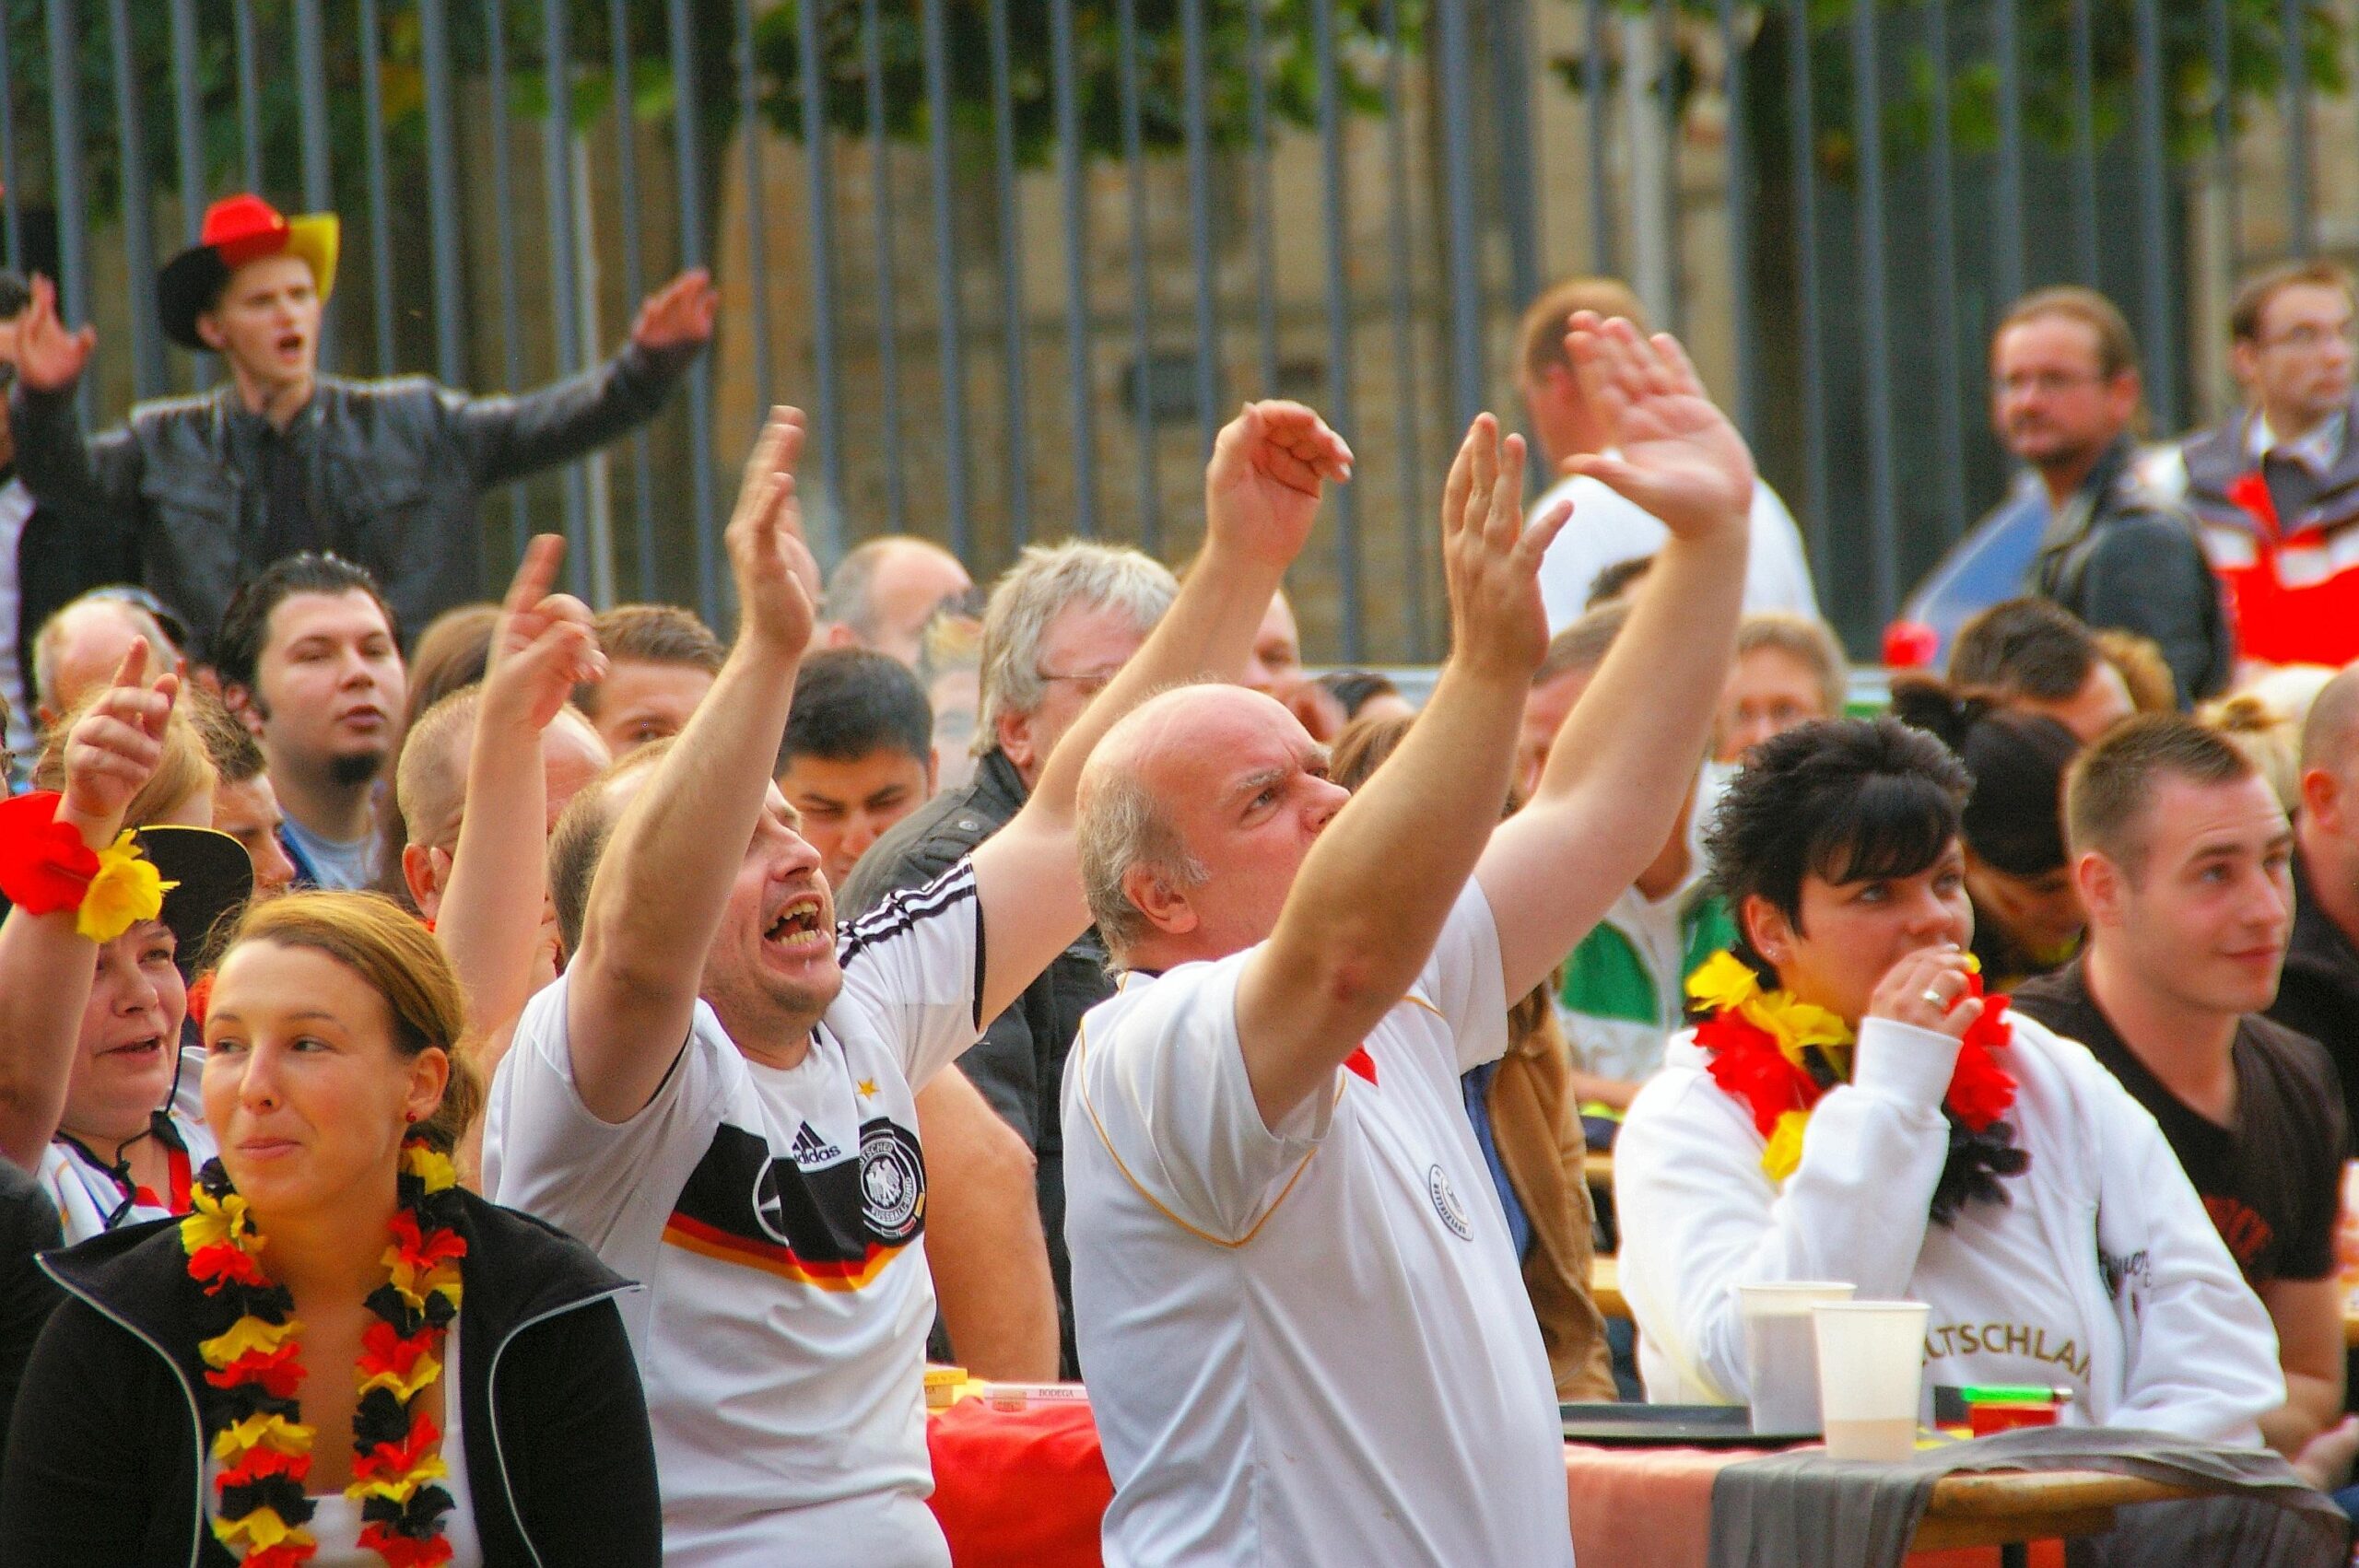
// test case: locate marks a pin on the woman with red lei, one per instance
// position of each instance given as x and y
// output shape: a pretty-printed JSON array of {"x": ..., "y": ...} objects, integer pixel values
[
  {"x": 383, "y": 1369},
  {"x": 1850, "y": 1106}
]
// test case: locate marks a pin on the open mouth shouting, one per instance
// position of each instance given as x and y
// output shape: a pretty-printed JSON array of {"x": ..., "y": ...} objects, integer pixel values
[{"x": 801, "y": 929}]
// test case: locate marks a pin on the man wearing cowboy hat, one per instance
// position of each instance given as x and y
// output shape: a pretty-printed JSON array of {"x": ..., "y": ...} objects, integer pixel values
[{"x": 211, "y": 489}]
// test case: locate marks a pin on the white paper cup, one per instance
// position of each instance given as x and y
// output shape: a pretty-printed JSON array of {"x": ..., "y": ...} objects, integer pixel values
[
  {"x": 1781, "y": 1351},
  {"x": 1871, "y": 1371}
]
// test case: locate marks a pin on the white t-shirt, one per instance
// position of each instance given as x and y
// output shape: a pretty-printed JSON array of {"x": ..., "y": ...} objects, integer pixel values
[
  {"x": 1606, "y": 529},
  {"x": 777, "y": 1218},
  {"x": 87, "y": 1192},
  {"x": 1311, "y": 1345}
]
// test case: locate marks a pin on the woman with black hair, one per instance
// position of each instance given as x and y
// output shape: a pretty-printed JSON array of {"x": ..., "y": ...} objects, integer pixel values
[
  {"x": 2027, "y": 914},
  {"x": 1850, "y": 1106}
]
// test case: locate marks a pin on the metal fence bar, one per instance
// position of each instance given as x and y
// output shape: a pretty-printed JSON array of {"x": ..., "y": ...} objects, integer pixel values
[
  {"x": 2081, "y": 55},
  {"x": 1398, "y": 253},
  {"x": 689, "y": 175},
  {"x": 1017, "y": 448},
  {"x": 565, "y": 288},
  {"x": 820, "y": 191},
  {"x": 1739, "y": 220},
  {"x": 1867, "y": 120},
  {"x": 2153, "y": 264},
  {"x": 2223, "y": 132},
  {"x": 1601, "y": 208},
  {"x": 1143, "y": 376},
  {"x": 757, "y": 260},
  {"x": 65, "y": 154},
  {"x": 1464, "y": 256},
  {"x": 1801, "y": 137},
  {"x": 312, "y": 105},
  {"x": 1949, "y": 404},
  {"x": 1338, "y": 318},
  {"x": 138, "y": 199},
  {"x": 954, "y": 348},
  {"x": 624, "y": 70},
  {"x": 503, "y": 223},
  {"x": 249, "y": 94},
  {"x": 2294, "y": 62},
  {"x": 381, "y": 226},
  {"x": 12, "y": 215},
  {"x": 1199, "y": 217},
  {"x": 1511, "y": 102},
  {"x": 889, "y": 331},
  {"x": 2007, "y": 191},
  {"x": 188, "y": 121},
  {"x": 443, "y": 194},
  {"x": 1070, "y": 159},
  {"x": 1666, "y": 89},
  {"x": 1265, "y": 265}
]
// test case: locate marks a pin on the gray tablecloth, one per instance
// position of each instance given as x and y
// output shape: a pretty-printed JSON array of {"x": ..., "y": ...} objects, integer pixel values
[{"x": 1804, "y": 1510}]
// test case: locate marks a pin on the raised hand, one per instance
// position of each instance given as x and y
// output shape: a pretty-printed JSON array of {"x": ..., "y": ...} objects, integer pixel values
[
  {"x": 1263, "y": 485},
  {"x": 1670, "y": 451},
  {"x": 678, "y": 313},
  {"x": 1932, "y": 989},
  {"x": 545, "y": 644},
  {"x": 1490, "y": 560},
  {"x": 116, "y": 745},
  {"x": 50, "y": 359},
  {"x": 777, "y": 578}
]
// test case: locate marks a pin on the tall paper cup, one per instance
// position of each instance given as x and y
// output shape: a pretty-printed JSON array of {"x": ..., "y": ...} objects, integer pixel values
[
  {"x": 1781, "y": 1351},
  {"x": 1871, "y": 1371}
]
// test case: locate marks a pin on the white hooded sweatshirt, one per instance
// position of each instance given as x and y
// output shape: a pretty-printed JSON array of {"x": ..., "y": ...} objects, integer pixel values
[{"x": 2101, "y": 1273}]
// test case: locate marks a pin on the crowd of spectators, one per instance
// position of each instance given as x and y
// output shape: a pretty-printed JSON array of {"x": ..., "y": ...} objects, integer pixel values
[{"x": 1055, "y": 976}]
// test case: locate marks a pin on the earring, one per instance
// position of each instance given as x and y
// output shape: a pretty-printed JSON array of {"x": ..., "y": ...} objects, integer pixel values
[{"x": 410, "y": 1117}]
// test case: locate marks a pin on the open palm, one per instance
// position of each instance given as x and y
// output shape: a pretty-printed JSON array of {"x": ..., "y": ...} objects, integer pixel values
[
  {"x": 1672, "y": 451},
  {"x": 50, "y": 359}
]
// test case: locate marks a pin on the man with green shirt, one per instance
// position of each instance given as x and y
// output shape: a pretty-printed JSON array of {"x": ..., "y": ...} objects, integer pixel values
[{"x": 1621, "y": 996}]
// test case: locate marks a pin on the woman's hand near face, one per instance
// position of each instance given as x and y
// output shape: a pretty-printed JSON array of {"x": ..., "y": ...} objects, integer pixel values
[{"x": 1928, "y": 989}]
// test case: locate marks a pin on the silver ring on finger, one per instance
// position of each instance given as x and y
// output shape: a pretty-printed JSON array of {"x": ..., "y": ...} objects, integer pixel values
[{"x": 1934, "y": 998}]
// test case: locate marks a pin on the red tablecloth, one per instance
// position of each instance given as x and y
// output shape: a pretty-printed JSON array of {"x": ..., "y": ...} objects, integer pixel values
[{"x": 1026, "y": 1489}]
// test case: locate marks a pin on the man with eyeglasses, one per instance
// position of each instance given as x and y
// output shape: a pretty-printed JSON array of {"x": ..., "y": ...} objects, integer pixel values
[
  {"x": 2276, "y": 484},
  {"x": 2065, "y": 400},
  {"x": 1060, "y": 625}
]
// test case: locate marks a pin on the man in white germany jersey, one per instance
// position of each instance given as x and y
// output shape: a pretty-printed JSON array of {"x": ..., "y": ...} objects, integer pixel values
[
  {"x": 717, "y": 1094},
  {"x": 1298, "y": 1309}
]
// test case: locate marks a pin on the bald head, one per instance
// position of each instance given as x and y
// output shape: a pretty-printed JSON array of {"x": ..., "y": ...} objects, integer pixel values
[
  {"x": 81, "y": 646},
  {"x": 885, "y": 591},
  {"x": 2330, "y": 733}
]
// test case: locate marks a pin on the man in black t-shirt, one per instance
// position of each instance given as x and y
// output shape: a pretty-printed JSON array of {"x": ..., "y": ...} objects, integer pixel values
[{"x": 2182, "y": 856}]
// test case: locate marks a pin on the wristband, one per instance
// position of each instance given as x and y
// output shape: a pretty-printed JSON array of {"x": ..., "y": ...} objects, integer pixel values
[{"x": 45, "y": 868}]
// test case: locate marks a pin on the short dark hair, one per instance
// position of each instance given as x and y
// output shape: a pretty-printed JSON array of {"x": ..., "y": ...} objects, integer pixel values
[
  {"x": 1355, "y": 689},
  {"x": 2111, "y": 783},
  {"x": 1582, "y": 646},
  {"x": 652, "y": 634},
  {"x": 1614, "y": 582},
  {"x": 1840, "y": 799},
  {"x": 2031, "y": 647},
  {"x": 578, "y": 841},
  {"x": 236, "y": 754},
  {"x": 2015, "y": 818},
  {"x": 245, "y": 624},
  {"x": 2253, "y": 296},
  {"x": 2116, "y": 349},
  {"x": 850, "y": 702}
]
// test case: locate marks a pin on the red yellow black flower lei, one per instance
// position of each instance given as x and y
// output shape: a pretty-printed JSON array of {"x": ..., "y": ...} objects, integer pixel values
[
  {"x": 250, "y": 1411},
  {"x": 1781, "y": 1057}
]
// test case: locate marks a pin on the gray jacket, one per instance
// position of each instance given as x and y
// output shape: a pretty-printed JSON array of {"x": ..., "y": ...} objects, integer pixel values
[{"x": 395, "y": 470}]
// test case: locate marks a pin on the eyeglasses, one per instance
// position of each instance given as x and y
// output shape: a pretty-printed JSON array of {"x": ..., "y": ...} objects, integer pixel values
[
  {"x": 2306, "y": 338},
  {"x": 1090, "y": 685},
  {"x": 2045, "y": 381}
]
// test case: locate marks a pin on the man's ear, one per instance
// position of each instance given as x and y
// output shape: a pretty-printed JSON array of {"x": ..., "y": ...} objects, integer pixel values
[
  {"x": 418, "y": 875},
  {"x": 1165, "y": 907},
  {"x": 2105, "y": 889},
  {"x": 932, "y": 772},
  {"x": 2322, "y": 801},
  {"x": 1015, "y": 737},
  {"x": 209, "y": 333},
  {"x": 2244, "y": 363},
  {"x": 239, "y": 699}
]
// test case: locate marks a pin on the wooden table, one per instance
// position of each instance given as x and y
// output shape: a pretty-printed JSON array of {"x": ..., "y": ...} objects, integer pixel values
[{"x": 2010, "y": 1510}]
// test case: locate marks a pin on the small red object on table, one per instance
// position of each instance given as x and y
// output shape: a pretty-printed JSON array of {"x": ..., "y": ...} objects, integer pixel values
[{"x": 1018, "y": 1488}]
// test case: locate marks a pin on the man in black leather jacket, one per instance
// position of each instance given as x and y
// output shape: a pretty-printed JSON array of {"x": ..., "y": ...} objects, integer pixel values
[
  {"x": 206, "y": 491},
  {"x": 1060, "y": 625}
]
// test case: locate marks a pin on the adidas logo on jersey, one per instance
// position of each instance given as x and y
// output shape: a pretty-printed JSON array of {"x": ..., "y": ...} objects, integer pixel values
[{"x": 810, "y": 1148}]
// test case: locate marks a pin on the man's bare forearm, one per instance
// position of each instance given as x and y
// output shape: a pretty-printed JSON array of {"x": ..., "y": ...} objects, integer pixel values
[
  {"x": 490, "y": 922},
  {"x": 983, "y": 1238}
]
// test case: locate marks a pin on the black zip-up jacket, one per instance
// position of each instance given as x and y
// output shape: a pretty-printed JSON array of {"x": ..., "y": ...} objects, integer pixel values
[
  {"x": 102, "y": 1454},
  {"x": 2317, "y": 994},
  {"x": 1019, "y": 1064},
  {"x": 2118, "y": 554},
  {"x": 394, "y": 471}
]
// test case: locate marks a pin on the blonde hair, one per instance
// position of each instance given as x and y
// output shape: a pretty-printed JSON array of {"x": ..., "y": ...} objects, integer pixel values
[
  {"x": 2270, "y": 739},
  {"x": 181, "y": 773},
  {"x": 395, "y": 956},
  {"x": 1809, "y": 642},
  {"x": 1542, "y": 331}
]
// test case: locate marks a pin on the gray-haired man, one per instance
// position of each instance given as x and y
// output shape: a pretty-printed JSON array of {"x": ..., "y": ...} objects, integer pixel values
[{"x": 1060, "y": 623}]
